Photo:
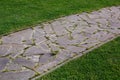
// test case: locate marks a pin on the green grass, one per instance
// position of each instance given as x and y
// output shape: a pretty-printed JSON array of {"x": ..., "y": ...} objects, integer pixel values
[
  {"x": 100, "y": 64},
  {"x": 20, "y": 14}
]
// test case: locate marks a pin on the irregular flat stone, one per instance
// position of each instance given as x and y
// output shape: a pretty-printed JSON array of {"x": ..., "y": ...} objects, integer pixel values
[
  {"x": 44, "y": 46},
  {"x": 4, "y": 49},
  {"x": 3, "y": 63},
  {"x": 16, "y": 50},
  {"x": 48, "y": 29},
  {"x": 13, "y": 67},
  {"x": 35, "y": 50},
  {"x": 18, "y": 37},
  {"x": 45, "y": 58},
  {"x": 24, "y": 62},
  {"x": 23, "y": 75},
  {"x": 57, "y": 27}
]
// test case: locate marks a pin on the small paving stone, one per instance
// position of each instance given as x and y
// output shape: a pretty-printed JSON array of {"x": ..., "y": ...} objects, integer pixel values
[
  {"x": 45, "y": 58},
  {"x": 39, "y": 49},
  {"x": 3, "y": 63}
]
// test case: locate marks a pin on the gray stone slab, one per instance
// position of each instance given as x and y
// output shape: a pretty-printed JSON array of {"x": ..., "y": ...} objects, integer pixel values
[
  {"x": 48, "y": 29},
  {"x": 13, "y": 67},
  {"x": 4, "y": 49},
  {"x": 16, "y": 50},
  {"x": 18, "y": 37},
  {"x": 35, "y": 50},
  {"x": 45, "y": 58},
  {"x": 75, "y": 49},
  {"x": 23, "y": 75},
  {"x": 3, "y": 63},
  {"x": 24, "y": 62},
  {"x": 58, "y": 28}
]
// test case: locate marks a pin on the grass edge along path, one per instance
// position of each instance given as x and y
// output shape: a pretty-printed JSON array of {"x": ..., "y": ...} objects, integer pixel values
[
  {"x": 22, "y": 14},
  {"x": 100, "y": 64}
]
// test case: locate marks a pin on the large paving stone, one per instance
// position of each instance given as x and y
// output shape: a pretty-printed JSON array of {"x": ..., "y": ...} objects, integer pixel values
[
  {"x": 13, "y": 67},
  {"x": 16, "y": 50},
  {"x": 23, "y": 75},
  {"x": 18, "y": 37},
  {"x": 35, "y": 50},
  {"x": 24, "y": 62}
]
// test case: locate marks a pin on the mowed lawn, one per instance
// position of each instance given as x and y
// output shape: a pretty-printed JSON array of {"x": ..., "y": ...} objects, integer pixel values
[
  {"x": 20, "y": 14},
  {"x": 100, "y": 64}
]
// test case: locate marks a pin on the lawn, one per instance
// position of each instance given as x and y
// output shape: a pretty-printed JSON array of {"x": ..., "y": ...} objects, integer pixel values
[
  {"x": 100, "y": 64},
  {"x": 20, "y": 14}
]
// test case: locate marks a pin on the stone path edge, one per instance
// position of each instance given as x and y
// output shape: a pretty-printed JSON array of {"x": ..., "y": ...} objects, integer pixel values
[
  {"x": 75, "y": 57},
  {"x": 50, "y": 21}
]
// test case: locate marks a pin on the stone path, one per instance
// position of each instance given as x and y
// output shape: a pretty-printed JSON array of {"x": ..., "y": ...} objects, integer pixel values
[{"x": 32, "y": 52}]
